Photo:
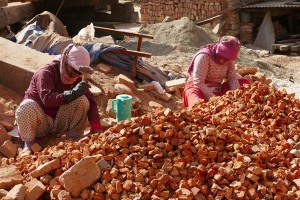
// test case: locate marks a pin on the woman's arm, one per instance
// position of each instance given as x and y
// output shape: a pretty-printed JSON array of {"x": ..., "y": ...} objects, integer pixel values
[
  {"x": 232, "y": 76},
  {"x": 199, "y": 74}
]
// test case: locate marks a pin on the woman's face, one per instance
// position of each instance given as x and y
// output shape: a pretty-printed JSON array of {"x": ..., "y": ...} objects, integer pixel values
[{"x": 71, "y": 72}]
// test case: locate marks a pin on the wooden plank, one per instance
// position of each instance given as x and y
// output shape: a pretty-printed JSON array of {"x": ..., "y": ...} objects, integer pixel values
[
  {"x": 287, "y": 41},
  {"x": 215, "y": 16},
  {"x": 275, "y": 47},
  {"x": 139, "y": 44},
  {"x": 205, "y": 21},
  {"x": 131, "y": 52},
  {"x": 285, "y": 47},
  {"x": 295, "y": 48},
  {"x": 247, "y": 2},
  {"x": 295, "y": 36},
  {"x": 294, "y": 54},
  {"x": 153, "y": 73},
  {"x": 218, "y": 27}
]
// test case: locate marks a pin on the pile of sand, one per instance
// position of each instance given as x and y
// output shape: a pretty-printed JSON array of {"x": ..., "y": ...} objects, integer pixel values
[
  {"x": 181, "y": 32},
  {"x": 176, "y": 42}
]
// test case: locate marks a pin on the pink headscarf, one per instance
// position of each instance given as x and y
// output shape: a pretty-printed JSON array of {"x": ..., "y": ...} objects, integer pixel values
[
  {"x": 227, "y": 47},
  {"x": 75, "y": 56}
]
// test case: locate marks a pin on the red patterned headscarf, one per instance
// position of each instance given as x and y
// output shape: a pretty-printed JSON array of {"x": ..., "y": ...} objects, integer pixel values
[{"x": 227, "y": 47}]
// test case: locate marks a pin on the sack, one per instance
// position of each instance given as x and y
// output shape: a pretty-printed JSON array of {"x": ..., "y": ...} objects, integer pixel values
[{"x": 85, "y": 35}]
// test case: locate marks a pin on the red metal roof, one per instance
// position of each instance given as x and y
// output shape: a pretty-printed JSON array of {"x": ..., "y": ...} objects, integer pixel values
[{"x": 276, "y": 4}]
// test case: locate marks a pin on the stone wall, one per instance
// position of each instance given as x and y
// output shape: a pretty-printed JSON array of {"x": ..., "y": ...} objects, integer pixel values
[{"x": 156, "y": 10}]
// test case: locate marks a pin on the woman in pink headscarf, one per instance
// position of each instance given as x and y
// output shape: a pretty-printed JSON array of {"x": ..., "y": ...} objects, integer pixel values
[
  {"x": 58, "y": 100},
  {"x": 210, "y": 67}
]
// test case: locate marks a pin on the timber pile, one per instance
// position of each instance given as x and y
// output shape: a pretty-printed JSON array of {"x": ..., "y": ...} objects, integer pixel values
[
  {"x": 238, "y": 146},
  {"x": 289, "y": 46}
]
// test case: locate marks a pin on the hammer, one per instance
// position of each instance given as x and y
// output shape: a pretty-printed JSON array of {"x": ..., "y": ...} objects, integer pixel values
[{"x": 86, "y": 73}]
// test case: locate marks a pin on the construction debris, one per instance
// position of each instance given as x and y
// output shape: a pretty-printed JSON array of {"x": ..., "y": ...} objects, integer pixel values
[{"x": 239, "y": 150}]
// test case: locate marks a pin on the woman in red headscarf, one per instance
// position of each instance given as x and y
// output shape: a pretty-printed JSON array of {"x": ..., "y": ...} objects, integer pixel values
[
  {"x": 210, "y": 67},
  {"x": 58, "y": 100}
]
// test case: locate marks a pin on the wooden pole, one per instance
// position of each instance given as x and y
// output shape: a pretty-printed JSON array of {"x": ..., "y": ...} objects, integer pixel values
[{"x": 136, "y": 53}]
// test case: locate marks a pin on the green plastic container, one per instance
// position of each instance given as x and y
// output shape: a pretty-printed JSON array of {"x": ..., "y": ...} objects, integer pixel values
[{"x": 123, "y": 104}]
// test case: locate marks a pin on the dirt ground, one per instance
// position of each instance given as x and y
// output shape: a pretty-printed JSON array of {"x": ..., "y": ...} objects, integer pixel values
[{"x": 172, "y": 48}]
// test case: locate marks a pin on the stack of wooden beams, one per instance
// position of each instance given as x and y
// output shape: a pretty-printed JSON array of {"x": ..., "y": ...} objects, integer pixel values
[{"x": 289, "y": 47}]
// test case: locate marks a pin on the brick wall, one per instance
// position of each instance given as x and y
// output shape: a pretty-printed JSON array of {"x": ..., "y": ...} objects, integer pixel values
[{"x": 155, "y": 11}]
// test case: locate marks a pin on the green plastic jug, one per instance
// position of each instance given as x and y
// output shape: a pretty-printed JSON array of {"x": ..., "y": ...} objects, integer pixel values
[{"x": 123, "y": 109}]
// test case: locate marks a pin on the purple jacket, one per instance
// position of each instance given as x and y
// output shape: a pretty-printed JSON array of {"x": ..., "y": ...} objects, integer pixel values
[{"x": 47, "y": 90}]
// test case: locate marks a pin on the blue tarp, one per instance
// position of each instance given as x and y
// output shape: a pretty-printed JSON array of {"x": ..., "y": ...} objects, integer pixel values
[{"x": 101, "y": 52}]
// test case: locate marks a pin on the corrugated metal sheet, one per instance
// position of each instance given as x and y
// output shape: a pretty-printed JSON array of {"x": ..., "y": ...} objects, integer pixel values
[
  {"x": 266, "y": 35},
  {"x": 276, "y": 4}
]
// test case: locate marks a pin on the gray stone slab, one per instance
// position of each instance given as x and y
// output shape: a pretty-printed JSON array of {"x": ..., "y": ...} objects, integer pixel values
[
  {"x": 16, "y": 12},
  {"x": 9, "y": 176},
  {"x": 83, "y": 174},
  {"x": 18, "y": 63}
]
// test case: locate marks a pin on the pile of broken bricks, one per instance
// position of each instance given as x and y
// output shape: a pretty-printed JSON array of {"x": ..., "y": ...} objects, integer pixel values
[
  {"x": 125, "y": 85},
  {"x": 246, "y": 149},
  {"x": 89, "y": 167}
]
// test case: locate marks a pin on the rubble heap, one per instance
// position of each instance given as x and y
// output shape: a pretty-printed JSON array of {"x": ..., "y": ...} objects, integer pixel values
[{"x": 238, "y": 146}]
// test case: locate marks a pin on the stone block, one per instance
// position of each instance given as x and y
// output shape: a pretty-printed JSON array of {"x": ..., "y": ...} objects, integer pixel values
[
  {"x": 46, "y": 168},
  {"x": 17, "y": 64},
  {"x": 9, "y": 149},
  {"x": 8, "y": 126},
  {"x": 95, "y": 90},
  {"x": 9, "y": 176},
  {"x": 3, "y": 135},
  {"x": 18, "y": 192},
  {"x": 103, "y": 164},
  {"x": 107, "y": 123},
  {"x": 164, "y": 96},
  {"x": 109, "y": 109},
  {"x": 64, "y": 195},
  {"x": 36, "y": 147},
  {"x": 122, "y": 79},
  {"x": 83, "y": 174},
  {"x": 147, "y": 87},
  {"x": 123, "y": 89},
  {"x": 110, "y": 92},
  {"x": 3, "y": 193},
  {"x": 154, "y": 104},
  {"x": 102, "y": 67},
  {"x": 177, "y": 83},
  {"x": 35, "y": 189},
  {"x": 54, "y": 193}
]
